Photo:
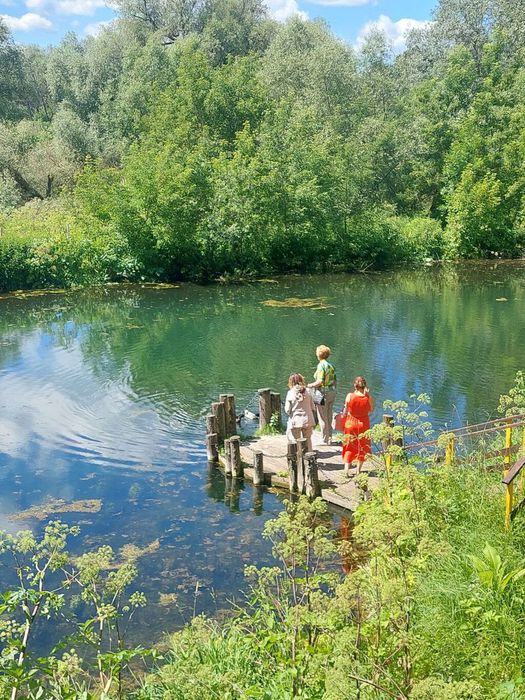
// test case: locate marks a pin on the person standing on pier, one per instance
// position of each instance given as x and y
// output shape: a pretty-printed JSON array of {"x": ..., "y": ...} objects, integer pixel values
[
  {"x": 299, "y": 408},
  {"x": 358, "y": 406},
  {"x": 326, "y": 382}
]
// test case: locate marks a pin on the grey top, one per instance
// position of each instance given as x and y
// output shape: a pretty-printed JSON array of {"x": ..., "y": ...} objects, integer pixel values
[{"x": 299, "y": 408}]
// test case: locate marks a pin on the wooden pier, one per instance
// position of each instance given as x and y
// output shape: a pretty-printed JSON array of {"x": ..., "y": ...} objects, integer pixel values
[
  {"x": 335, "y": 488},
  {"x": 271, "y": 461}
]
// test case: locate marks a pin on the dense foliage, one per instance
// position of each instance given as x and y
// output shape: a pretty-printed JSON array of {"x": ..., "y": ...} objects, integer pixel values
[{"x": 199, "y": 139}]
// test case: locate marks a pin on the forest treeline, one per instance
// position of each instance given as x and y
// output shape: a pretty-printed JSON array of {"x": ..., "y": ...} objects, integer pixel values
[{"x": 200, "y": 138}]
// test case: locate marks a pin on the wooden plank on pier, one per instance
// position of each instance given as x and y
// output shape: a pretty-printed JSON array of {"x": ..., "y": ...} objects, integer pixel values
[{"x": 336, "y": 489}]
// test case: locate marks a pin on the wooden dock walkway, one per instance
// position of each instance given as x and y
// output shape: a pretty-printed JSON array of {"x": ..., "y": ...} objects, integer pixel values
[
  {"x": 336, "y": 489},
  {"x": 271, "y": 461}
]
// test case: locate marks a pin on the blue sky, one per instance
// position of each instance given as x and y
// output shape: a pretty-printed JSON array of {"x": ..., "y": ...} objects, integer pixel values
[{"x": 46, "y": 21}]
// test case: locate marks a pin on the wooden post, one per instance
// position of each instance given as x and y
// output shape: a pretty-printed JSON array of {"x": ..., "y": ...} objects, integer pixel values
[
  {"x": 388, "y": 421},
  {"x": 217, "y": 408},
  {"x": 275, "y": 405},
  {"x": 388, "y": 464},
  {"x": 258, "y": 468},
  {"x": 509, "y": 498},
  {"x": 211, "y": 423},
  {"x": 292, "y": 466},
  {"x": 450, "y": 452},
  {"x": 229, "y": 413},
  {"x": 227, "y": 457},
  {"x": 212, "y": 449},
  {"x": 508, "y": 444},
  {"x": 301, "y": 450},
  {"x": 235, "y": 451},
  {"x": 233, "y": 413},
  {"x": 265, "y": 408},
  {"x": 312, "y": 486}
]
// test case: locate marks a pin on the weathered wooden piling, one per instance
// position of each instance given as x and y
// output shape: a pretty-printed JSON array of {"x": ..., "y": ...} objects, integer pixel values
[
  {"x": 218, "y": 410},
  {"x": 265, "y": 408},
  {"x": 211, "y": 424},
  {"x": 311, "y": 477},
  {"x": 291, "y": 459},
  {"x": 301, "y": 450},
  {"x": 227, "y": 457},
  {"x": 212, "y": 447},
  {"x": 235, "y": 452},
  {"x": 230, "y": 417},
  {"x": 275, "y": 405},
  {"x": 258, "y": 468}
]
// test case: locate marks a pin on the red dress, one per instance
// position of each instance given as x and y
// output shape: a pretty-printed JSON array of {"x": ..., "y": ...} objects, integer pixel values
[{"x": 357, "y": 421}]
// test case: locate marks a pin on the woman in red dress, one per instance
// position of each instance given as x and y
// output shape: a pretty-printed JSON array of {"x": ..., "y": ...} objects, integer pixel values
[{"x": 358, "y": 405}]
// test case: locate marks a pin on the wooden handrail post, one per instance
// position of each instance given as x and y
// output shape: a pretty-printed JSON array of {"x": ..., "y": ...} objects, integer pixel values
[
  {"x": 508, "y": 444},
  {"x": 265, "y": 408},
  {"x": 388, "y": 420},
  {"x": 450, "y": 452},
  {"x": 388, "y": 464},
  {"x": 509, "y": 499}
]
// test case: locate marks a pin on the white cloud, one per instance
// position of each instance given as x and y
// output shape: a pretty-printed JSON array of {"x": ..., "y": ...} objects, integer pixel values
[
  {"x": 95, "y": 28},
  {"x": 36, "y": 4},
  {"x": 281, "y": 10},
  {"x": 396, "y": 32},
  {"x": 27, "y": 23},
  {"x": 348, "y": 3},
  {"x": 79, "y": 7},
  {"x": 49, "y": 421}
]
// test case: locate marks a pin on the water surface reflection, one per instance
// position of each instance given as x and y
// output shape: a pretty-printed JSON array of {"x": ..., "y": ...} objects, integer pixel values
[{"x": 103, "y": 394}]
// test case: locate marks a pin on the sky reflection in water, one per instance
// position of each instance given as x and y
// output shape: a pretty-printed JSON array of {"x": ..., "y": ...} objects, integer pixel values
[{"x": 103, "y": 394}]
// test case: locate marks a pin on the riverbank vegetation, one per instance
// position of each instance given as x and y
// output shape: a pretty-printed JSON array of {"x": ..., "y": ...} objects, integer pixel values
[
  {"x": 199, "y": 140},
  {"x": 424, "y": 600}
]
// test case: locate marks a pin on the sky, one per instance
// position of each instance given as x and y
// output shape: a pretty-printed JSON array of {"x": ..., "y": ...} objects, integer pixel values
[{"x": 45, "y": 22}]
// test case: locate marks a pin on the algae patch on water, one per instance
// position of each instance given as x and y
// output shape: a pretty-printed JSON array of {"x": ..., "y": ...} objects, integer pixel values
[
  {"x": 44, "y": 510},
  {"x": 167, "y": 599},
  {"x": 131, "y": 552},
  {"x": 314, "y": 303}
]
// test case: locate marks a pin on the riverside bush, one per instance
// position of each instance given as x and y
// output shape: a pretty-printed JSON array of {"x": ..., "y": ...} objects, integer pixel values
[{"x": 51, "y": 244}]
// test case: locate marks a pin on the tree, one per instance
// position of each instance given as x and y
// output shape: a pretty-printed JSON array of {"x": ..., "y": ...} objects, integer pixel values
[{"x": 11, "y": 105}]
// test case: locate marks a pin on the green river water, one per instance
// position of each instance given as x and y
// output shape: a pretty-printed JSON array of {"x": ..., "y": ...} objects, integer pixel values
[{"x": 103, "y": 394}]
